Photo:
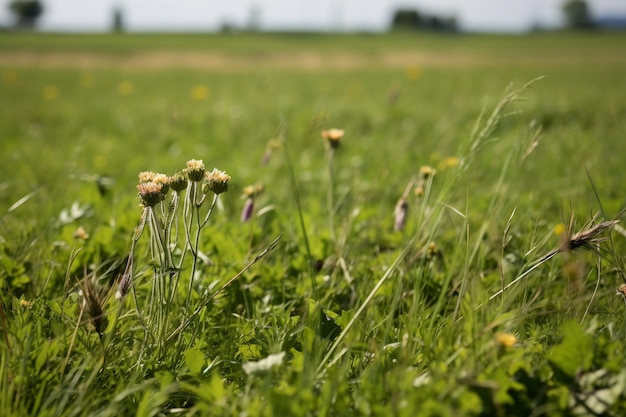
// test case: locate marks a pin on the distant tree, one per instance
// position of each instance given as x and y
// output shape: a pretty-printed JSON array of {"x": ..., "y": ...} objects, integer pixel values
[
  {"x": 577, "y": 14},
  {"x": 26, "y": 11},
  {"x": 118, "y": 20},
  {"x": 406, "y": 19}
]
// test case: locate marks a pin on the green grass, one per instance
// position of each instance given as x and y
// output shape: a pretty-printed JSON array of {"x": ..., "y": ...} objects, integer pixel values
[{"x": 345, "y": 316}]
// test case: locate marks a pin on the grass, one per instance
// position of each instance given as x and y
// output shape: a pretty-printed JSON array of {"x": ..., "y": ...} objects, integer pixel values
[{"x": 345, "y": 313}]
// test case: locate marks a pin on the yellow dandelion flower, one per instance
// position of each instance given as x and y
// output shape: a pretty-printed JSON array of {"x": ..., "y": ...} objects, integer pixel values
[
  {"x": 419, "y": 191},
  {"x": 50, "y": 92},
  {"x": 449, "y": 162},
  {"x": 559, "y": 229},
  {"x": 87, "y": 80},
  {"x": 200, "y": 92},
  {"x": 125, "y": 88},
  {"x": 413, "y": 73},
  {"x": 506, "y": 340},
  {"x": 427, "y": 171}
]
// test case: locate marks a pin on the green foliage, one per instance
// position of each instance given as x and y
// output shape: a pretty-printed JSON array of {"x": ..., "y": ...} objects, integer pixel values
[{"x": 347, "y": 313}]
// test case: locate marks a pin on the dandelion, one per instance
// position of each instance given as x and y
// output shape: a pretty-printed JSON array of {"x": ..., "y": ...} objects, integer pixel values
[
  {"x": 87, "y": 80},
  {"x": 81, "y": 233},
  {"x": 195, "y": 170},
  {"x": 150, "y": 193},
  {"x": 216, "y": 181},
  {"x": 506, "y": 340},
  {"x": 419, "y": 190},
  {"x": 333, "y": 137},
  {"x": 199, "y": 92},
  {"x": 413, "y": 73},
  {"x": 449, "y": 162},
  {"x": 125, "y": 88},
  {"x": 50, "y": 92}
]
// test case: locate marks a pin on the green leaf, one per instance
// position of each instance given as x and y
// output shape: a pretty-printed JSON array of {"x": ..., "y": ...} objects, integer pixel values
[
  {"x": 575, "y": 352},
  {"x": 194, "y": 359}
]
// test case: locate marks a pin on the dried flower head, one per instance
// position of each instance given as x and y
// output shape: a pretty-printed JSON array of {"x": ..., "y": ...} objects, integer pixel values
[
  {"x": 178, "y": 182},
  {"x": 506, "y": 340},
  {"x": 195, "y": 170},
  {"x": 81, "y": 233},
  {"x": 164, "y": 180},
  {"x": 123, "y": 286},
  {"x": 150, "y": 193},
  {"x": 146, "y": 176},
  {"x": 252, "y": 191},
  {"x": 216, "y": 181},
  {"x": 333, "y": 137}
]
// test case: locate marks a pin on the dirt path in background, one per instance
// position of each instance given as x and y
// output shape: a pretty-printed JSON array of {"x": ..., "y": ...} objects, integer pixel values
[{"x": 312, "y": 61}]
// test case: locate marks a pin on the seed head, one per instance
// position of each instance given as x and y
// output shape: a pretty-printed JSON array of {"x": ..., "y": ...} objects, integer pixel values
[
  {"x": 195, "y": 170},
  {"x": 400, "y": 214},
  {"x": 216, "y": 181},
  {"x": 248, "y": 209}
]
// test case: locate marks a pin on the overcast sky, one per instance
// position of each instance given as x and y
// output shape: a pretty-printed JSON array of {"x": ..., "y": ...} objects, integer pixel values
[{"x": 375, "y": 15}]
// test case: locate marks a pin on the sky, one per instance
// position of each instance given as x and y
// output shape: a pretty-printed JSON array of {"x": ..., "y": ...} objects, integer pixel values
[{"x": 342, "y": 15}]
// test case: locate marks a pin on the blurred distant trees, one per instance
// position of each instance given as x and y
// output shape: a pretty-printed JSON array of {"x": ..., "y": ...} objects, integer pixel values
[
  {"x": 26, "y": 11},
  {"x": 577, "y": 14},
  {"x": 412, "y": 19}
]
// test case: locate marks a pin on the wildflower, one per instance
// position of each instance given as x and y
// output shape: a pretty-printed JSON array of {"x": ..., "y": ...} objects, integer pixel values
[
  {"x": 146, "y": 176},
  {"x": 178, "y": 182},
  {"x": 216, "y": 181},
  {"x": 195, "y": 170},
  {"x": 432, "y": 250},
  {"x": 250, "y": 192},
  {"x": 333, "y": 137},
  {"x": 400, "y": 214},
  {"x": 199, "y": 92},
  {"x": 150, "y": 193},
  {"x": 449, "y": 162},
  {"x": 506, "y": 340},
  {"x": 50, "y": 92},
  {"x": 81, "y": 233},
  {"x": 164, "y": 180},
  {"x": 25, "y": 304},
  {"x": 426, "y": 172},
  {"x": 413, "y": 73},
  {"x": 125, "y": 88},
  {"x": 419, "y": 190}
]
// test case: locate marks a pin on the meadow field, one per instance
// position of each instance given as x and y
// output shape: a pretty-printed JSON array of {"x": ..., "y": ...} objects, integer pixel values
[{"x": 403, "y": 224}]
